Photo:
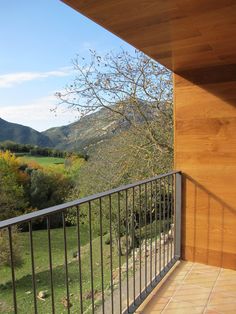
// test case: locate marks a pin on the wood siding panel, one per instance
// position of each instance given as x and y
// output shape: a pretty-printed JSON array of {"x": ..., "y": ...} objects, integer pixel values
[
  {"x": 180, "y": 34},
  {"x": 205, "y": 150}
]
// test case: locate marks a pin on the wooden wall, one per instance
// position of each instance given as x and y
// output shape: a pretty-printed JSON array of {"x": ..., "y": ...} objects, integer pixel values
[{"x": 205, "y": 150}]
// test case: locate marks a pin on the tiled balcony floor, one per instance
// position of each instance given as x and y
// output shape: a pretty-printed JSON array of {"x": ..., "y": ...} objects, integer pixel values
[{"x": 194, "y": 288}]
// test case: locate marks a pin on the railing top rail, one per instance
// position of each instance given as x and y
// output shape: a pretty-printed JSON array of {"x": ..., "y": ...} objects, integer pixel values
[{"x": 55, "y": 209}]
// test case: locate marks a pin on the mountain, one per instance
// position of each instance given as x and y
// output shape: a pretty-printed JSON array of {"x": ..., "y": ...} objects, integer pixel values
[
  {"x": 22, "y": 134},
  {"x": 96, "y": 127},
  {"x": 79, "y": 136},
  {"x": 86, "y": 132}
]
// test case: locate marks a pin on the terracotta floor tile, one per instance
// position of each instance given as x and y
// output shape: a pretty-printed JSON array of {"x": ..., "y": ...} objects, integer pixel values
[
  {"x": 192, "y": 292},
  {"x": 162, "y": 300},
  {"x": 175, "y": 304},
  {"x": 154, "y": 307},
  {"x": 226, "y": 283},
  {"x": 222, "y": 300},
  {"x": 209, "y": 311},
  {"x": 166, "y": 294},
  {"x": 203, "y": 284},
  {"x": 230, "y": 290},
  {"x": 197, "y": 299},
  {"x": 224, "y": 307},
  {"x": 187, "y": 310},
  {"x": 196, "y": 289}
]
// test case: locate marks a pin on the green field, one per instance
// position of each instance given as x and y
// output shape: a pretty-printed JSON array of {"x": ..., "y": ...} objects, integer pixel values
[
  {"x": 24, "y": 279},
  {"x": 54, "y": 163}
]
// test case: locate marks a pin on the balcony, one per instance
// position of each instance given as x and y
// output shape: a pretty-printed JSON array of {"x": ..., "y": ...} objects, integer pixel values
[
  {"x": 132, "y": 242},
  {"x": 130, "y": 261}
]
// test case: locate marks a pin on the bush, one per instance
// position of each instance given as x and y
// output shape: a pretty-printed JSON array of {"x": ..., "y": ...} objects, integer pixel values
[
  {"x": 5, "y": 255},
  {"x": 107, "y": 240}
]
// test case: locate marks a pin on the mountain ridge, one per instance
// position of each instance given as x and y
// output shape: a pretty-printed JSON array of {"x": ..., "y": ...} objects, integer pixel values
[
  {"x": 79, "y": 136},
  {"x": 22, "y": 134}
]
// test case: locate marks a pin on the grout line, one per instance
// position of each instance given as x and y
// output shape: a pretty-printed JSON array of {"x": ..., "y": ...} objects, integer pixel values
[
  {"x": 171, "y": 298},
  {"x": 207, "y": 303}
]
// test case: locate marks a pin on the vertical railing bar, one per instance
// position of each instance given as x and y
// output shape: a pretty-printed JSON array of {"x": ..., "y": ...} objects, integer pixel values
[
  {"x": 133, "y": 245},
  {"x": 178, "y": 206},
  {"x": 140, "y": 241},
  {"x": 111, "y": 260},
  {"x": 145, "y": 236},
  {"x": 79, "y": 259},
  {"x": 12, "y": 270},
  {"x": 50, "y": 262},
  {"x": 155, "y": 267},
  {"x": 127, "y": 253},
  {"x": 160, "y": 223},
  {"x": 32, "y": 265},
  {"x": 66, "y": 263},
  {"x": 168, "y": 218},
  {"x": 172, "y": 193},
  {"x": 119, "y": 245},
  {"x": 101, "y": 256},
  {"x": 164, "y": 223},
  {"x": 151, "y": 199},
  {"x": 91, "y": 255}
]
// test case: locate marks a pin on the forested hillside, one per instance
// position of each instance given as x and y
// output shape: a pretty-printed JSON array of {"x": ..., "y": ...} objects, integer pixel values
[{"x": 22, "y": 134}]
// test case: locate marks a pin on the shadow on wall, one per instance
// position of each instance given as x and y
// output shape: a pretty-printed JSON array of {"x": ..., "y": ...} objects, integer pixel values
[
  {"x": 208, "y": 227},
  {"x": 218, "y": 80}
]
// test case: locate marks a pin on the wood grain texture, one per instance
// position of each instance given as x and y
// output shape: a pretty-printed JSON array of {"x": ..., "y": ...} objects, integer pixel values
[
  {"x": 205, "y": 150},
  {"x": 180, "y": 34}
]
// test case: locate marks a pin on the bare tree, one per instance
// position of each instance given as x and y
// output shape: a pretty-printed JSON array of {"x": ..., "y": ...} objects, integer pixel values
[
  {"x": 137, "y": 92},
  {"x": 134, "y": 88}
]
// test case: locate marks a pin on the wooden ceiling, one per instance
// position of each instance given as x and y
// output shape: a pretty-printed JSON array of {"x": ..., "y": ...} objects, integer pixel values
[{"x": 180, "y": 34}]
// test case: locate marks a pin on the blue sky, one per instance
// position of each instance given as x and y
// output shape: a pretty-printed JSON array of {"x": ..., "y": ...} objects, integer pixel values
[{"x": 38, "y": 41}]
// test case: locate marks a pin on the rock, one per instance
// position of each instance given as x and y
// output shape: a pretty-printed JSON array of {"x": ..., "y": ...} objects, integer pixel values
[
  {"x": 28, "y": 292},
  {"x": 88, "y": 295},
  {"x": 67, "y": 304},
  {"x": 42, "y": 294},
  {"x": 75, "y": 254}
]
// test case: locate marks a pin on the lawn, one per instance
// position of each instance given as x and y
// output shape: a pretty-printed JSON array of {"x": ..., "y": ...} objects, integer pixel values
[
  {"x": 24, "y": 279},
  {"x": 24, "y": 288},
  {"x": 54, "y": 163}
]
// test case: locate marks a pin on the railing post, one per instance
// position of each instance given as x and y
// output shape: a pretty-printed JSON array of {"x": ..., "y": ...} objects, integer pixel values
[{"x": 178, "y": 207}]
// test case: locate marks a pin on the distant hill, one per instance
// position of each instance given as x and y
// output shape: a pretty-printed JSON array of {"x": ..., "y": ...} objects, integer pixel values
[
  {"x": 86, "y": 132},
  {"x": 79, "y": 136},
  {"x": 22, "y": 134}
]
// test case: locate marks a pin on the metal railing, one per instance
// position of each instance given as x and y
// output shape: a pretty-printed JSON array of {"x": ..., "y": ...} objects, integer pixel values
[{"x": 116, "y": 247}]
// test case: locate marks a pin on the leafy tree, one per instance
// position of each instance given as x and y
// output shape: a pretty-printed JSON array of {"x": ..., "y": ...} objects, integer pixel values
[
  {"x": 12, "y": 198},
  {"x": 5, "y": 255},
  {"x": 48, "y": 189}
]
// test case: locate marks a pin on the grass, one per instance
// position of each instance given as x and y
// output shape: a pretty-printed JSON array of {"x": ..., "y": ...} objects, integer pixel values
[
  {"x": 24, "y": 288},
  {"x": 55, "y": 163},
  {"x": 24, "y": 279}
]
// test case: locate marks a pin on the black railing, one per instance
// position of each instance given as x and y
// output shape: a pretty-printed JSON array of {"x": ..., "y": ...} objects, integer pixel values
[{"x": 111, "y": 250}]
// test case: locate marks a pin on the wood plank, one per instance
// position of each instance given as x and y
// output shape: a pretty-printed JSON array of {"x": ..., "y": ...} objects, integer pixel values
[
  {"x": 205, "y": 149},
  {"x": 169, "y": 30}
]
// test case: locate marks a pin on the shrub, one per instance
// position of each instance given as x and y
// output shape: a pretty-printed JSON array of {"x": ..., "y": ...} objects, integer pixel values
[
  {"x": 5, "y": 255},
  {"x": 107, "y": 240}
]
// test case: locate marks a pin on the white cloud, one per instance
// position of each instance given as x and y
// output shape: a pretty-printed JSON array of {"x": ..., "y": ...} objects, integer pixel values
[
  {"x": 12, "y": 79},
  {"x": 39, "y": 114}
]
